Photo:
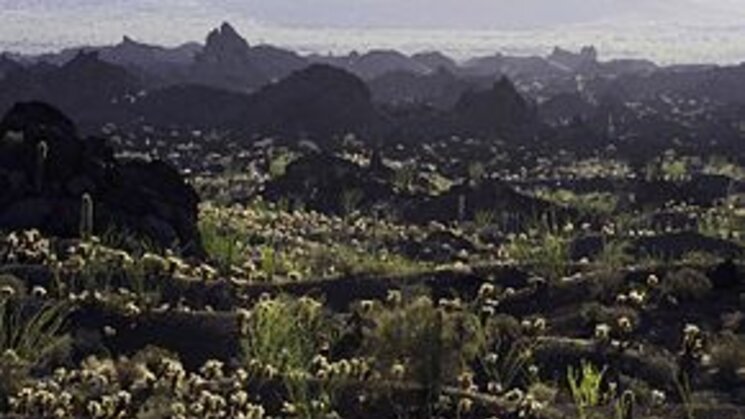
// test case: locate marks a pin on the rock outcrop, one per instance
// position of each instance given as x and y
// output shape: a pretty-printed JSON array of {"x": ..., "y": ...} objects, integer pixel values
[
  {"x": 498, "y": 112},
  {"x": 511, "y": 209},
  {"x": 329, "y": 184},
  {"x": 46, "y": 169},
  {"x": 318, "y": 101},
  {"x": 229, "y": 62}
]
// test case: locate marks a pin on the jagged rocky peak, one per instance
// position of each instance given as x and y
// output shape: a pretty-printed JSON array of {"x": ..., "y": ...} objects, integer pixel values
[
  {"x": 588, "y": 55},
  {"x": 129, "y": 42},
  {"x": 126, "y": 40},
  {"x": 589, "y": 52},
  {"x": 93, "y": 68},
  {"x": 226, "y": 39},
  {"x": 88, "y": 65}
]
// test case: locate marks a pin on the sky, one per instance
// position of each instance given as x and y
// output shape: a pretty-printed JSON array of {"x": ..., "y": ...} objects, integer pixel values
[
  {"x": 450, "y": 14},
  {"x": 712, "y": 30}
]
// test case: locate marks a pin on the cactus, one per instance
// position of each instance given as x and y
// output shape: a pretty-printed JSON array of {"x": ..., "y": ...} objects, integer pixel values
[
  {"x": 461, "y": 208},
  {"x": 42, "y": 151},
  {"x": 86, "y": 217}
]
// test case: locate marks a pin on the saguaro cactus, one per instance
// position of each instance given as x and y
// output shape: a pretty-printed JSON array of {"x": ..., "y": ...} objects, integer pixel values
[
  {"x": 461, "y": 208},
  {"x": 86, "y": 217},
  {"x": 42, "y": 151}
]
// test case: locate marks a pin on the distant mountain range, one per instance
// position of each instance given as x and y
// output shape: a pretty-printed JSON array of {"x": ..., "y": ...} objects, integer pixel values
[
  {"x": 228, "y": 61},
  {"x": 264, "y": 90}
]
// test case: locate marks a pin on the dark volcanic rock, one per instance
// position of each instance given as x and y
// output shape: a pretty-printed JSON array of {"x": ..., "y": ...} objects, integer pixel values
[
  {"x": 229, "y": 62},
  {"x": 726, "y": 276},
  {"x": 702, "y": 190},
  {"x": 498, "y": 112},
  {"x": 323, "y": 183},
  {"x": 510, "y": 208},
  {"x": 438, "y": 247},
  {"x": 47, "y": 168},
  {"x": 564, "y": 108},
  {"x": 318, "y": 101},
  {"x": 666, "y": 246},
  {"x": 676, "y": 245}
]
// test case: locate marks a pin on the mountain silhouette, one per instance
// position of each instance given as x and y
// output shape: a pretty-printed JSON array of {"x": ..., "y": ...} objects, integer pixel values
[
  {"x": 320, "y": 100},
  {"x": 498, "y": 112},
  {"x": 229, "y": 62},
  {"x": 86, "y": 88}
]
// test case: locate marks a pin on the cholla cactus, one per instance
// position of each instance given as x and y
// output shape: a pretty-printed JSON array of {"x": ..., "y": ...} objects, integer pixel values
[
  {"x": 42, "y": 151},
  {"x": 86, "y": 217},
  {"x": 693, "y": 346}
]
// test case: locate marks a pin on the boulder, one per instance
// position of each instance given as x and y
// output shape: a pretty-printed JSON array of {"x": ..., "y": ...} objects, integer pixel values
[
  {"x": 677, "y": 245},
  {"x": 510, "y": 209},
  {"x": 329, "y": 184},
  {"x": 498, "y": 112},
  {"x": 665, "y": 246},
  {"x": 439, "y": 247},
  {"x": 726, "y": 276},
  {"x": 47, "y": 169}
]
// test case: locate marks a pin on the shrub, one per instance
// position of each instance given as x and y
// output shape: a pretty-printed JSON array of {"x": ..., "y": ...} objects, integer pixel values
[
  {"x": 421, "y": 341},
  {"x": 285, "y": 333},
  {"x": 33, "y": 333},
  {"x": 350, "y": 200},
  {"x": 584, "y": 386},
  {"x": 505, "y": 363},
  {"x": 546, "y": 247},
  {"x": 279, "y": 163},
  {"x": 224, "y": 244},
  {"x": 615, "y": 254}
]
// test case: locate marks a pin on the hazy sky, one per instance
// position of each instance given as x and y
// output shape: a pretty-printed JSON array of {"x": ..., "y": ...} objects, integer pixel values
[
  {"x": 491, "y": 14},
  {"x": 472, "y": 14},
  {"x": 712, "y": 29}
]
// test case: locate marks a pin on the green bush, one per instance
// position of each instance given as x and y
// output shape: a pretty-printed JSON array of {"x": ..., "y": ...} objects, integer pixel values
[
  {"x": 546, "y": 247},
  {"x": 285, "y": 333},
  {"x": 584, "y": 385},
  {"x": 33, "y": 333},
  {"x": 223, "y": 243},
  {"x": 421, "y": 341}
]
